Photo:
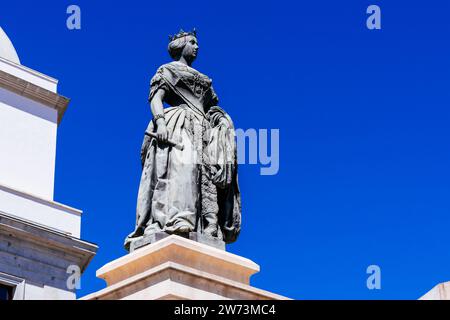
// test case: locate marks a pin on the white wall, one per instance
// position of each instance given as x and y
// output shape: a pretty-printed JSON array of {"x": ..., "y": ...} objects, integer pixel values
[
  {"x": 34, "y": 292},
  {"x": 47, "y": 213},
  {"x": 27, "y": 144},
  {"x": 29, "y": 75}
]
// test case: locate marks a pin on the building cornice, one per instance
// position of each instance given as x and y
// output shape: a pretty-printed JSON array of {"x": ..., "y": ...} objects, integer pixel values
[
  {"x": 46, "y": 237},
  {"x": 41, "y": 200},
  {"x": 34, "y": 92}
]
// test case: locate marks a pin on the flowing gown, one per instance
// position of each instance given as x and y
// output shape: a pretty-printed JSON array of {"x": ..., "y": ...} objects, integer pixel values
[{"x": 194, "y": 189}]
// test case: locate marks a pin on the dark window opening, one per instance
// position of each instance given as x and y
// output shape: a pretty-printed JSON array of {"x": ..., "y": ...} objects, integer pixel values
[{"x": 6, "y": 292}]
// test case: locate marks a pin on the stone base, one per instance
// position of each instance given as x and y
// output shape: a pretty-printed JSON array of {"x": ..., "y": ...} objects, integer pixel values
[
  {"x": 180, "y": 268},
  {"x": 198, "y": 237},
  {"x": 201, "y": 238},
  {"x": 147, "y": 239}
]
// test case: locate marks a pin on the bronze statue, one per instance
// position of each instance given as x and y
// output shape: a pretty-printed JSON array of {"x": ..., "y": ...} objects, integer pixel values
[{"x": 189, "y": 180}]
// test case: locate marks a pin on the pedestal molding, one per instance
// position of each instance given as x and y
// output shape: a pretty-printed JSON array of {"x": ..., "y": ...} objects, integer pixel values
[{"x": 179, "y": 268}]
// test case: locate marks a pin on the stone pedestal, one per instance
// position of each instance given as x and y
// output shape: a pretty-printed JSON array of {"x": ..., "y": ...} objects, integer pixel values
[
  {"x": 197, "y": 237},
  {"x": 179, "y": 268}
]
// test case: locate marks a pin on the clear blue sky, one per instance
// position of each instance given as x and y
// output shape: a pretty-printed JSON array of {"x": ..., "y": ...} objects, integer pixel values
[{"x": 363, "y": 116}]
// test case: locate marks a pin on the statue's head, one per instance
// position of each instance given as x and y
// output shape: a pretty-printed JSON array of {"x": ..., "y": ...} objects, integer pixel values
[{"x": 183, "y": 44}]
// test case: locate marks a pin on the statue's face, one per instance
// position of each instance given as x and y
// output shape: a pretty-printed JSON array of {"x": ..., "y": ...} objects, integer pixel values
[{"x": 190, "y": 50}]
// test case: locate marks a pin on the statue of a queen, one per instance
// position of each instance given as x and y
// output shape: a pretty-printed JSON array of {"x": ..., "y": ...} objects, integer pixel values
[{"x": 189, "y": 179}]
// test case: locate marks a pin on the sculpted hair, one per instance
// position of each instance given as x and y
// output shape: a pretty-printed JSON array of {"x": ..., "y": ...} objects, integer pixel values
[{"x": 176, "y": 46}]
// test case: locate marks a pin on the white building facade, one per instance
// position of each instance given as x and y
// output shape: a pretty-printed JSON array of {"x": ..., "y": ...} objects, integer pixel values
[{"x": 40, "y": 245}]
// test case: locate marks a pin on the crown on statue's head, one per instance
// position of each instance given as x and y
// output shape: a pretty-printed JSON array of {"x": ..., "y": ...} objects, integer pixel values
[{"x": 182, "y": 34}]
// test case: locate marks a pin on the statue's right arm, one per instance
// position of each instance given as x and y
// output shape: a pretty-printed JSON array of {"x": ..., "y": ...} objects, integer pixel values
[{"x": 157, "y": 107}]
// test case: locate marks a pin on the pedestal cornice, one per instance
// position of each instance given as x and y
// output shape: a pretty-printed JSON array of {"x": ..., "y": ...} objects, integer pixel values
[{"x": 179, "y": 268}]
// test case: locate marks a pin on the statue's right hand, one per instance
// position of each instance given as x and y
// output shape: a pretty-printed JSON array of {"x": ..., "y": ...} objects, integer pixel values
[{"x": 162, "y": 133}]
